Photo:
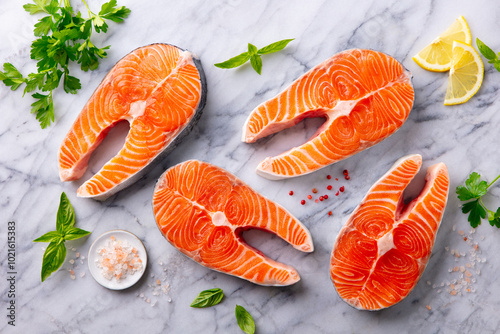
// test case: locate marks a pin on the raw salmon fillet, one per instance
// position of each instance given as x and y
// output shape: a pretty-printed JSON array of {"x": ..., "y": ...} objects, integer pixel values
[
  {"x": 382, "y": 250},
  {"x": 202, "y": 210},
  {"x": 365, "y": 96},
  {"x": 160, "y": 90}
]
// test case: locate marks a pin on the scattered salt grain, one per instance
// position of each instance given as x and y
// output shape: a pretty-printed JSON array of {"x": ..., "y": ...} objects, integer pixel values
[
  {"x": 82, "y": 274},
  {"x": 72, "y": 261},
  {"x": 118, "y": 259}
]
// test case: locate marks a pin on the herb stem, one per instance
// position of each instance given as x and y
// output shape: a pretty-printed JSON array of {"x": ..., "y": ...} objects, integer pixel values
[{"x": 491, "y": 183}]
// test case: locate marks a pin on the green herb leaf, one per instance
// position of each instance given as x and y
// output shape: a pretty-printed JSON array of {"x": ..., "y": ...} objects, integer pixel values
[
  {"x": 485, "y": 50},
  {"x": 65, "y": 215},
  {"x": 256, "y": 62},
  {"x": 494, "y": 218},
  {"x": 11, "y": 77},
  {"x": 476, "y": 188},
  {"x": 71, "y": 84},
  {"x": 43, "y": 26},
  {"x": 208, "y": 298},
  {"x": 235, "y": 61},
  {"x": 252, "y": 49},
  {"x": 253, "y": 55},
  {"x": 38, "y": 6},
  {"x": 52, "y": 236},
  {"x": 63, "y": 36},
  {"x": 497, "y": 66},
  {"x": 110, "y": 12},
  {"x": 43, "y": 109},
  {"x": 73, "y": 233},
  {"x": 244, "y": 319},
  {"x": 55, "y": 253},
  {"x": 476, "y": 212},
  {"x": 53, "y": 258},
  {"x": 275, "y": 47}
]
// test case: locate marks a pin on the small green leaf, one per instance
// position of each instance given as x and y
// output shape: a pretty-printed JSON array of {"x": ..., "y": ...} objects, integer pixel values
[
  {"x": 497, "y": 66},
  {"x": 275, "y": 47},
  {"x": 38, "y": 6},
  {"x": 53, "y": 258},
  {"x": 65, "y": 215},
  {"x": 74, "y": 233},
  {"x": 476, "y": 187},
  {"x": 110, "y": 12},
  {"x": 476, "y": 210},
  {"x": 494, "y": 218},
  {"x": 71, "y": 84},
  {"x": 11, "y": 77},
  {"x": 235, "y": 61},
  {"x": 52, "y": 236},
  {"x": 463, "y": 193},
  {"x": 244, "y": 319},
  {"x": 485, "y": 50},
  {"x": 208, "y": 298},
  {"x": 252, "y": 49},
  {"x": 43, "y": 26},
  {"x": 256, "y": 62}
]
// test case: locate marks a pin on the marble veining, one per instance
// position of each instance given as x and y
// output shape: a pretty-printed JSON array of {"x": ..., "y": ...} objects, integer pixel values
[{"x": 465, "y": 137}]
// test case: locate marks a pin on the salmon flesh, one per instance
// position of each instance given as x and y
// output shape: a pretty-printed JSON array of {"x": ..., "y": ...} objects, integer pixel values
[
  {"x": 202, "y": 211},
  {"x": 364, "y": 95},
  {"x": 160, "y": 90},
  {"x": 382, "y": 250}
]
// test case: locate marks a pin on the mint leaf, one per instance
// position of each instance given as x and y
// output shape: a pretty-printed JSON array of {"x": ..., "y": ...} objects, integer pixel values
[
  {"x": 274, "y": 47},
  {"x": 52, "y": 236},
  {"x": 485, "y": 50},
  {"x": 256, "y": 62},
  {"x": 208, "y": 298},
  {"x": 244, "y": 319},
  {"x": 73, "y": 233},
  {"x": 53, "y": 258},
  {"x": 65, "y": 215}
]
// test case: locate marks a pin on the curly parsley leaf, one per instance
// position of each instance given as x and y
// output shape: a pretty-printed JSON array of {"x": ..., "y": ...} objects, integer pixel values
[
  {"x": 474, "y": 189},
  {"x": 253, "y": 54},
  {"x": 63, "y": 36}
]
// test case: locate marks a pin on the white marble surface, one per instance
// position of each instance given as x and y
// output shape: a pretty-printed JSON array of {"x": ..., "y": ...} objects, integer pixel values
[{"x": 464, "y": 137}]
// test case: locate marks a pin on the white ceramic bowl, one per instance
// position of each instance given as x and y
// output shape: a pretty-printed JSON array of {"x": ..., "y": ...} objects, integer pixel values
[{"x": 129, "y": 280}]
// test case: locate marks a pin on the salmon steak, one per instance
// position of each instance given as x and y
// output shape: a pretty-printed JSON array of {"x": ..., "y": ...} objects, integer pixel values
[
  {"x": 202, "y": 210},
  {"x": 382, "y": 250},
  {"x": 160, "y": 90},
  {"x": 364, "y": 95}
]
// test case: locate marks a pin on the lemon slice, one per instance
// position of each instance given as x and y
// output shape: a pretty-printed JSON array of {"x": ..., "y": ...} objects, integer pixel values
[
  {"x": 437, "y": 55},
  {"x": 466, "y": 74}
]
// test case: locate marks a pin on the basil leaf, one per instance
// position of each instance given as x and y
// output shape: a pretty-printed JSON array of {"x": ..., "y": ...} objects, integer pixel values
[
  {"x": 485, "y": 50},
  {"x": 274, "y": 47},
  {"x": 235, "y": 61},
  {"x": 65, "y": 215},
  {"x": 208, "y": 298},
  {"x": 245, "y": 320},
  {"x": 252, "y": 49},
  {"x": 73, "y": 233},
  {"x": 497, "y": 65},
  {"x": 52, "y": 236},
  {"x": 53, "y": 258},
  {"x": 256, "y": 62}
]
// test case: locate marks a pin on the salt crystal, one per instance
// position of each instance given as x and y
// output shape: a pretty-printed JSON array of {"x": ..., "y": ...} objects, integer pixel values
[
  {"x": 462, "y": 269},
  {"x": 117, "y": 259},
  {"x": 72, "y": 261},
  {"x": 447, "y": 248},
  {"x": 148, "y": 300},
  {"x": 83, "y": 257},
  {"x": 428, "y": 282},
  {"x": 77, "y": 255},
  {"x": 169, "y": 300},
  {"x": 461, "y": 232},
  {"x": 442, "y": 284},
  {"x": 82, "y": 274},
  {"x": 434, "y": 286},
  {"x": 141, "y": 295},
  {"x": 73, "y": 276},
  {"x": 454, "y": 227},
  {"x": 73, "y": 249}
]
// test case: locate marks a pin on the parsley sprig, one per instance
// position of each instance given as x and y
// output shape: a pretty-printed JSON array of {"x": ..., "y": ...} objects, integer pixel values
[
  {"x": 54, "y": 255},
  {"x": 488, "y": 53},
  {"x": 474, "y": 190},
  {"x": 63, "y": 37}
]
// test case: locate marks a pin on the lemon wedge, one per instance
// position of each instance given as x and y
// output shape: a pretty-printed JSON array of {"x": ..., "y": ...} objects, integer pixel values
[
  {"x": 437, "y": 55},
  {"x": 466, "y": 74}
]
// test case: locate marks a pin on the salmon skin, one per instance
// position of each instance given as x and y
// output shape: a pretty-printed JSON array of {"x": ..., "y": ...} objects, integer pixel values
[
  {"x": 382, "y": 250},
  {"x": 202, "y": 210},
  {"x": 160, "y": 90},
  {"x": 365, "y": 96}
]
